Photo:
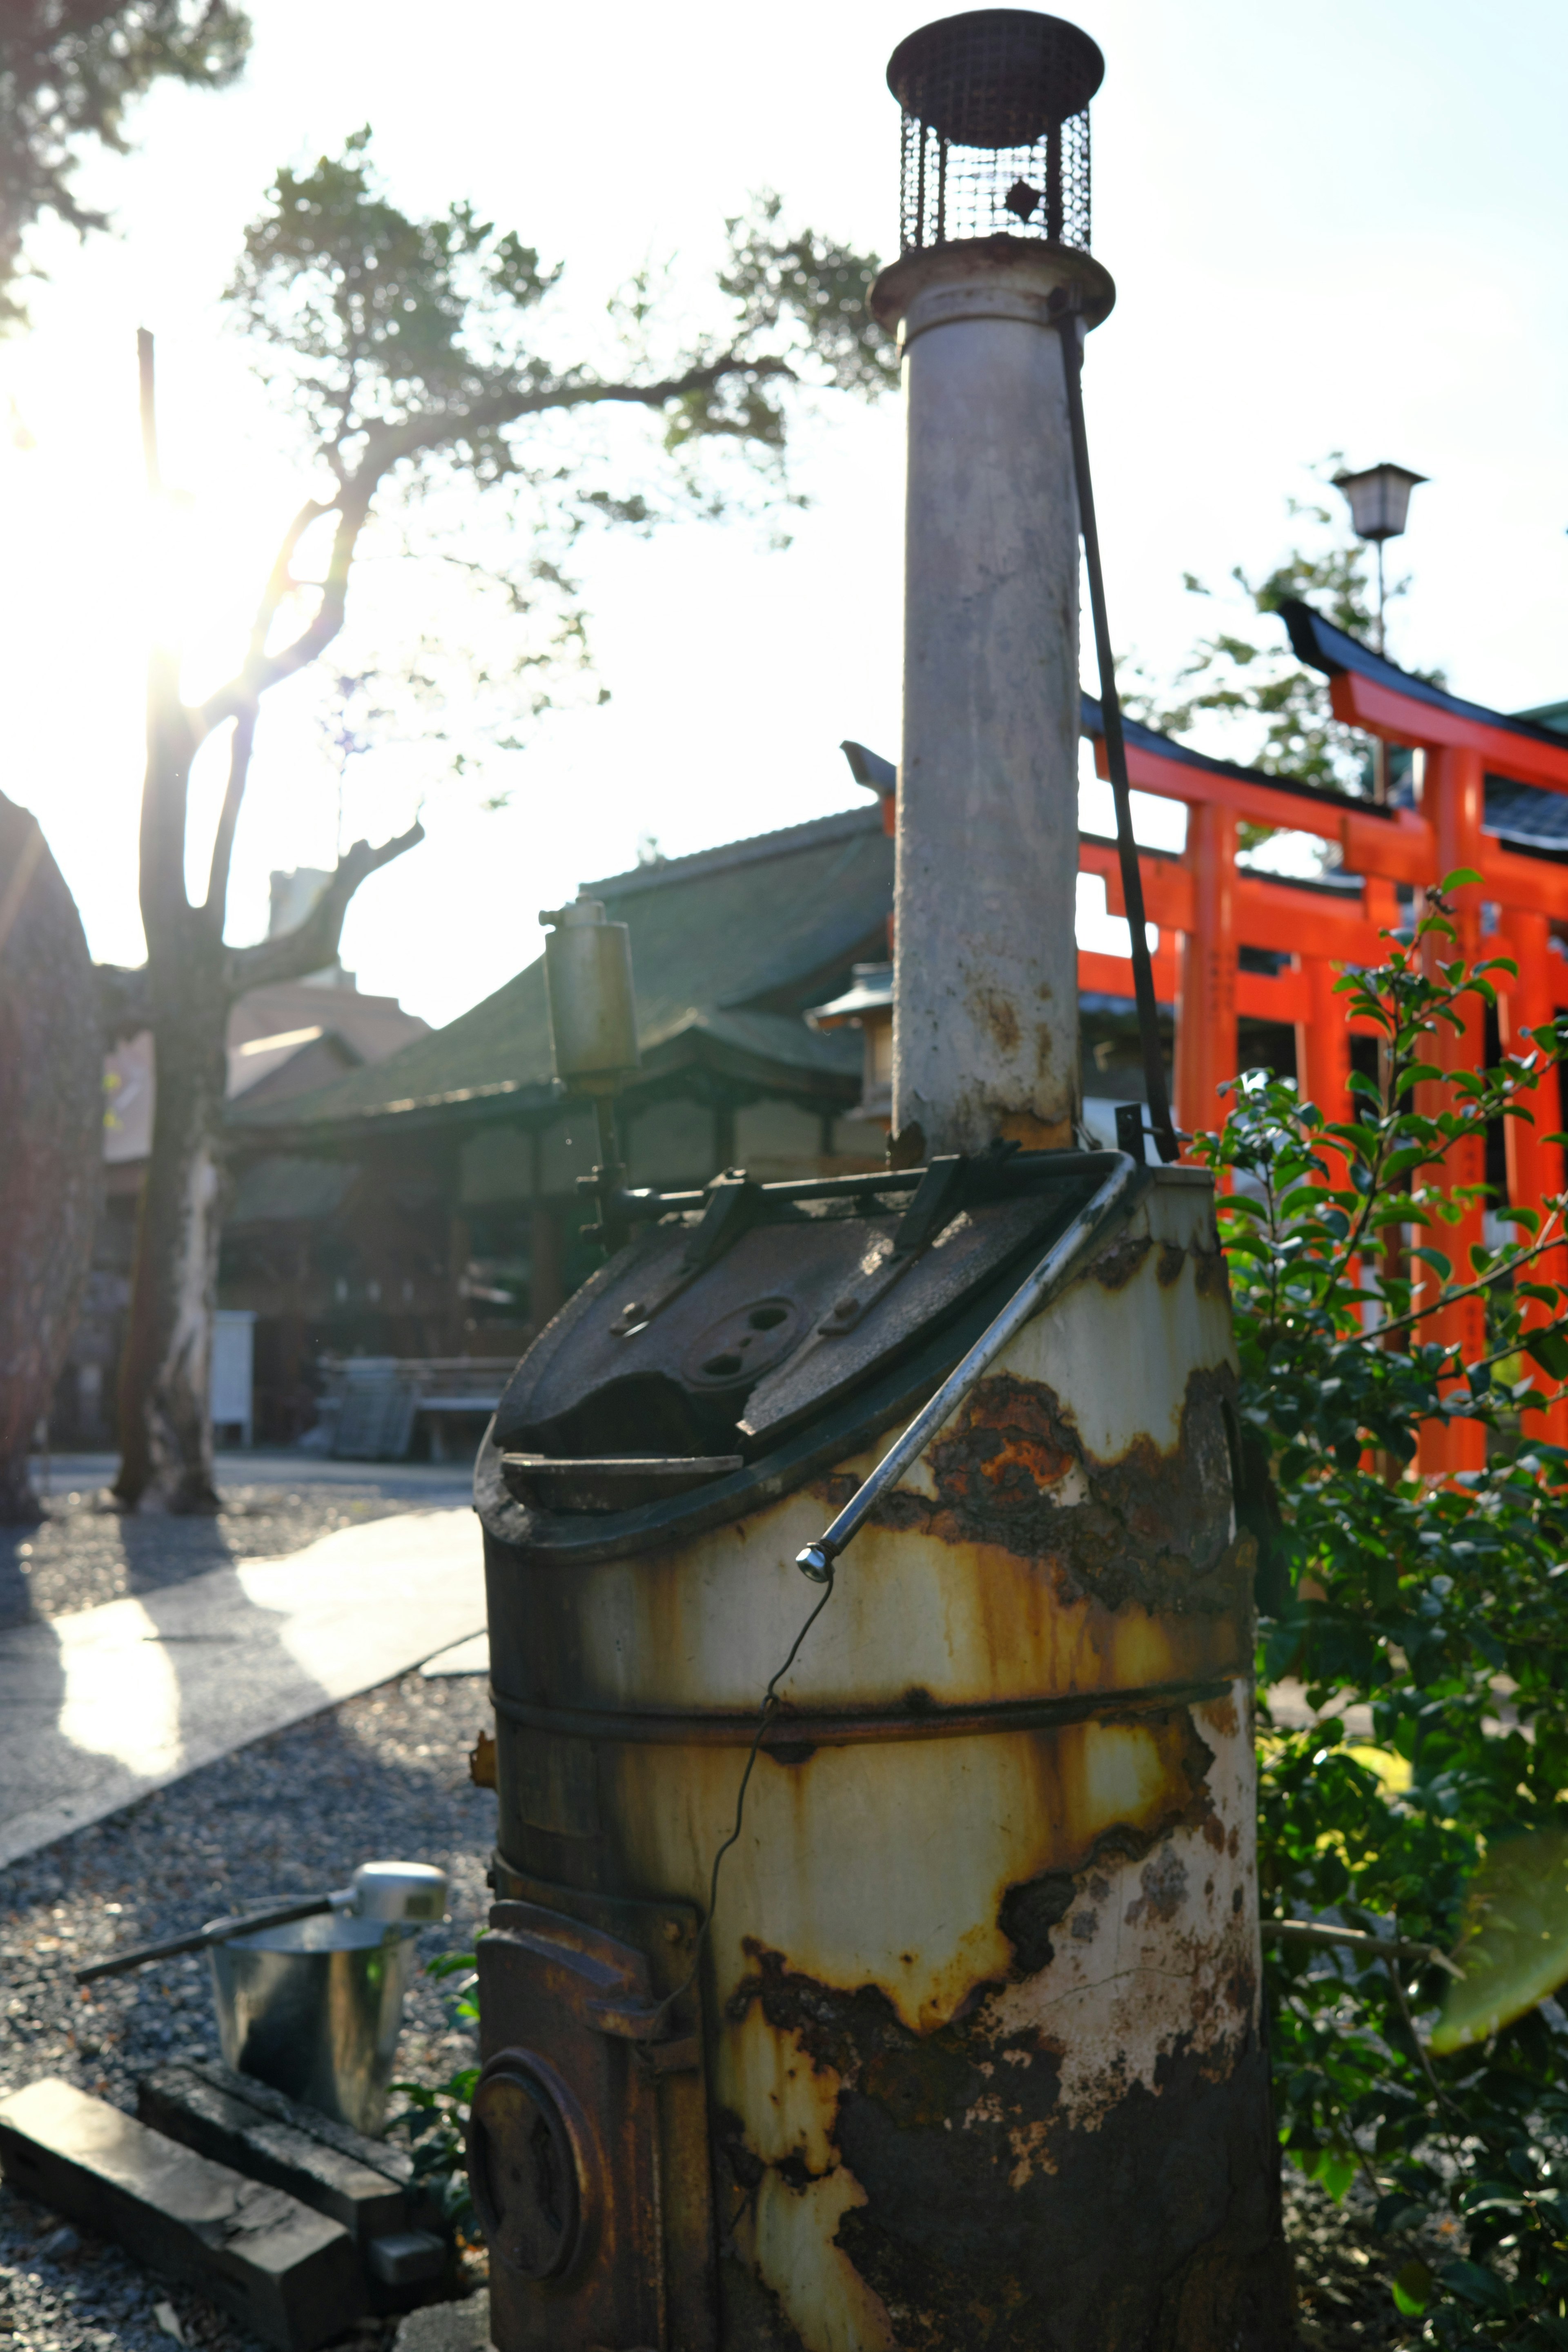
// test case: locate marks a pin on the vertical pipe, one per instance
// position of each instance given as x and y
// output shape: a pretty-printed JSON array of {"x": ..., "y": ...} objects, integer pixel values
[
  {"x": 1206, "y": 1049},
  {"x": 985, "y": 988},
  {"x": 1535, "y": 1168},
  {"x": 1453, "y": 802}
]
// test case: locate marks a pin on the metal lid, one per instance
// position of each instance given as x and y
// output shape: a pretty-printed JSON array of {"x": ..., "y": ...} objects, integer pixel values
[
  {"x": 722, "y": 1358},
  {"x": 996, "y": 76}
]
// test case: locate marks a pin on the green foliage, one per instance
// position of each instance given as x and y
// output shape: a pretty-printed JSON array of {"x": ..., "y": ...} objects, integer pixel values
[
  {"x": 368, "y": 316},
  {"x": 811, "y": 284},
  {"x": 1442, "y": 1607},
  {"x": 436, "y": 2119},
  {"x": 429, "y": 329},
  {"x": 413, "y": 356},
  {"x": 68, "y": 71}
]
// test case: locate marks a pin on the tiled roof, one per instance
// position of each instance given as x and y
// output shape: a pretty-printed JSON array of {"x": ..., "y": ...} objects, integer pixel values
[{"x": 727, "y": 946}]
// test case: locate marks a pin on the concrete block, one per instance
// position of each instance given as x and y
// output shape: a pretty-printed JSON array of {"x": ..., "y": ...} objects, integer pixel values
[
  {"x": 385, "y": 2157},
  {"x": 188, "y": 2107},
  {"x": 403, "y": 2252},
  {"x": 283, "y": 2270},
  {"x": 407, "y": 2258}
]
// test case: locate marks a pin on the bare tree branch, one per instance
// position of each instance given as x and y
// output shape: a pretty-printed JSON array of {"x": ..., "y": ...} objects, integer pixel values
[
  {"x": 239, "y": 752},
  {"x": 386, "y": 447},
  {"x": 262, "y": 670},
  {"x": 312, "y": 944}
]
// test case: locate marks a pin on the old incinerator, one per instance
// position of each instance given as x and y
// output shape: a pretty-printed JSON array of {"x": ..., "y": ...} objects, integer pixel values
[{"x": 918, "y": 2006}]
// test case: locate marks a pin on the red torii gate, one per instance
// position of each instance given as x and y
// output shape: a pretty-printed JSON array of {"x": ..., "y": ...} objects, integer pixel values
[{"x": 1215, "y": 910}]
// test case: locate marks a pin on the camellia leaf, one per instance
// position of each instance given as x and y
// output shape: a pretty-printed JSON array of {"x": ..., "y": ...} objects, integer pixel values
[
  {"x": 1412, "y": 2284},
  {"x": 1334, "y": 2170},
  {"x": 1550, "y": 1350},
  {"x": 1514, "y": 1948},
  {"x": 1474, "y": 2284}
]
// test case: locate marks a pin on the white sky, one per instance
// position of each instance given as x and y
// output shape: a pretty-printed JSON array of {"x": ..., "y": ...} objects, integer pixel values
[{"x": 1340, "y": 228}]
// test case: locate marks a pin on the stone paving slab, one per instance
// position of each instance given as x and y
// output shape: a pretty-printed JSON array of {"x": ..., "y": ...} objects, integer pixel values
[
  {"x": 99, "y": 1706},
  {"x": 470, "y": 1657}
]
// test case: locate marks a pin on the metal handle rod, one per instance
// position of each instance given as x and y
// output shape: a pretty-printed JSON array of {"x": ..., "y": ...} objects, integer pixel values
[
  {"x": 220, "y": 1932},
  {"x": 1036, "y": 1291},
  {"x": 1160, "y": 1118}
]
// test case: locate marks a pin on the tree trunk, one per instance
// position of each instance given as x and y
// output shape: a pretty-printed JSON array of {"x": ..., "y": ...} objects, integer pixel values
[
  {"x": 165, "y": 1431},
  {"x": 51, "y": 1138}
]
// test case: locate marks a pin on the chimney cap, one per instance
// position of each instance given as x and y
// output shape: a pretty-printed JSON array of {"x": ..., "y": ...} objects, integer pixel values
[{"x": 995, "y": 78}]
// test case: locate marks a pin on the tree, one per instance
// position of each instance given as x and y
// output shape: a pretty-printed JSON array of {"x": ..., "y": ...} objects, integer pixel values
[
  {"x": 407, "y": 351},
  {"x": 68, "y": 71},
  {"x": 1250, "y": 682},
  {"x": 1441, "y": 1607},
  {"x": 51, "y": 1130}
]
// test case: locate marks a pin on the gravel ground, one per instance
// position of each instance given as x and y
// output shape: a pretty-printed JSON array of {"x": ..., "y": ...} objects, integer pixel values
[
  {"x": 384, "y": 1775},
  {"x": 85, "y": 1551},
  {"x": 1343, "y": 2272}
]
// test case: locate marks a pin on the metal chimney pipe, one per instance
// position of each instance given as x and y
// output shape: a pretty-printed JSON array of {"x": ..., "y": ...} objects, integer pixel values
[
  {"x": 886, "y": 1974},
  {"x": 995, "y": 223}
]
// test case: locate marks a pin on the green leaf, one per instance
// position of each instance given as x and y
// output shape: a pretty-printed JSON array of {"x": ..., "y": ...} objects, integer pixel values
[
  {"x": 1475, "y": 2285},
  {"x": 1334, "y": 2170},
  {"x": 1550, "y": 1350},
  {"x": 1412, "y": 2285}
]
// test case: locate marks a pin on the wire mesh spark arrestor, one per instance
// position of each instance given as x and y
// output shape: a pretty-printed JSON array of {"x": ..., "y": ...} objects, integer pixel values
[{"x": 995, "y": 128}]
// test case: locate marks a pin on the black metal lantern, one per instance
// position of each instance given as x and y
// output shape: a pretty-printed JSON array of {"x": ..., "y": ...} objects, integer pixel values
[{"x": 995, "y": 128}]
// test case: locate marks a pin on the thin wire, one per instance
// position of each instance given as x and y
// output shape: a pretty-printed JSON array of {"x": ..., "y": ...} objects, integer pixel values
[
  {"x": 1159, "y": 1102},
  {"x": 770, "y": 1701}
]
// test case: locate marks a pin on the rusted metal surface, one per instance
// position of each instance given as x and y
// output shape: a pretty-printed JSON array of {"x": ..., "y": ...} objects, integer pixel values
[
  {"x": 647, "y": 1358},
  {"x": 571, "y": 2137},
  {"x": 590, "y": 2148},
  {"x": 981, "y": 1983}
]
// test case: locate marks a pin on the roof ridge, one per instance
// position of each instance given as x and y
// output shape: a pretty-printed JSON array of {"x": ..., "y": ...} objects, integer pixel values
[{"x": 843, "y": 825}]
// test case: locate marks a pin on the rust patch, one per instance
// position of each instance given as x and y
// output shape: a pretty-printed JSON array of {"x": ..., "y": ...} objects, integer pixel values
[
  {"x": 1168, "y": 1264},
  {"x": 970, "y": 2253},
  {"x": 1029, "y": 1914},
  {"x": 1116, "y": 1266},
  {"x": 996, "y": 1012},
  {"x": 1164, "y": 1883},
  {"x": 1211, "y": 1276},
  {"x": 1220, "y": 1715},
  {"x": 1151, "y": 1527},
  {"x": 750, "y": 2313},
  {"x": 1045, "y": 1046}
]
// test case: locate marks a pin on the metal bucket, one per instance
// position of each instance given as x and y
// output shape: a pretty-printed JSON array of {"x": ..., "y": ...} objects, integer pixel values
[{"x": 315, "y": 2009}]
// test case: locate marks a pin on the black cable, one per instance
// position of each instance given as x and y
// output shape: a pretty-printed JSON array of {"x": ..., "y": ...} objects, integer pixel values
[
  {"x": 1160, "y": 1120},
  {"x": 770, "y": 1700}
]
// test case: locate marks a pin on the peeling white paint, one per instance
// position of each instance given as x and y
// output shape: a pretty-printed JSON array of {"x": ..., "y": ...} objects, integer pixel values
[{"x": 1166, "y": 1939}]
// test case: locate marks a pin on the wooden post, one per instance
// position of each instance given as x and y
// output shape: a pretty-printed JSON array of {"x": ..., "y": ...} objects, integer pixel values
[
  {"x": 1453, "y": 803},
  {"x": 1535, "y": 1168},
  {"x": 1324, "y": 1041},
  {"x": 1323, "y": 1065},
  {"x": 1206, "y": 1050}
]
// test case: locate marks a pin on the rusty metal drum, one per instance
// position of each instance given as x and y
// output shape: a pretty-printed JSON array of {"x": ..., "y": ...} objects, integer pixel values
[{"x": 981, "y": 1980}]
